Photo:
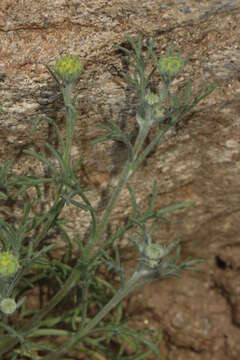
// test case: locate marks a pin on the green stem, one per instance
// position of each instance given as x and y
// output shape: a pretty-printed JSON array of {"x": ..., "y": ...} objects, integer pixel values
[
  {"x": 154, "y": 143},
  {"x": 67, "y": 96},
  {"x": 84, "y": 298},
  {"x": 144, "y": 130},
  {"x": 50, "y": 332},
  {"x": 53, "y": 214},
  {"x": 137, "y": 279},
  {"x": 127, "y": 172}
]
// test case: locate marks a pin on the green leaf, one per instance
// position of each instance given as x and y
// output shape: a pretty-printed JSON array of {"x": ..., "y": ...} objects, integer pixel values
[
  {"x": 43, "y": 159},
  {"x": 52, "y": 123},
  {"x": 154, "y": 197},
  {"x": 114, "y": 133},
  {"x": 59, "y": 158},
  {"x": 174, "y": 207},
  {"x": 136, "y": 209},
  {"x": 54, "y": 75}
]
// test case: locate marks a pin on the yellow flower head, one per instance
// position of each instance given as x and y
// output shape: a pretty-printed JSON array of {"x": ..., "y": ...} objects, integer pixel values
[
  {"x": 8, "y": 306},
  {"x": 170, "y": 65},
  {"x": 8, "y": 264},
  {"x": 69, "y": 68}
]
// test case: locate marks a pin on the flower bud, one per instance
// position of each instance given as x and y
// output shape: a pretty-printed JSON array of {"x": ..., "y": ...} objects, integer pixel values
[
  {"x": 152, "y": 99},
  {"x": 153, "y": 253},
  {"x": 155, "y": 103},
  {"x": 170, "y": 65},
  {"x": 8, "y": 264},
  {"x": 8, "y": 306},
  {"x": 69, "y": 68}
]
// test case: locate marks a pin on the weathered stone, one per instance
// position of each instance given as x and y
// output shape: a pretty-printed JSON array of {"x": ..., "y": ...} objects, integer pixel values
[{"x": 200, "y": 314}]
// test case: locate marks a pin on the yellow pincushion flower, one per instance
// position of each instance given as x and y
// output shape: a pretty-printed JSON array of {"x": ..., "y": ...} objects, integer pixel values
[
  {"x": 69, "y": 68},
  {"x": 170, "y": 65},
  {"x": 8, "y": 264}
]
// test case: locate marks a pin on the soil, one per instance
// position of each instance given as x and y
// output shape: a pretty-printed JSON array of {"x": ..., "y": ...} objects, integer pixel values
[{"x": 199, "y": 314}]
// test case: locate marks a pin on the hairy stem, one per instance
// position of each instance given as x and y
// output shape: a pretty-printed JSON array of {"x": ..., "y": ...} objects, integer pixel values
[
  {"x": 137, "y": 280},
  {"x": 70, "y": 120},
  {"x": 127, "y": 172}
]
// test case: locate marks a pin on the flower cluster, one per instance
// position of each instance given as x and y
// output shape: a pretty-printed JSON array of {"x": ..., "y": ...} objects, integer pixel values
[
  {"x": 69, "y": 68},
  {"x": 9, "y": 264}
]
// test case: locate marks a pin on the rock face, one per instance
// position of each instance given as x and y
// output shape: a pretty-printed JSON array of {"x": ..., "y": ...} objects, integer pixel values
[{"x": 199, "y": 314}]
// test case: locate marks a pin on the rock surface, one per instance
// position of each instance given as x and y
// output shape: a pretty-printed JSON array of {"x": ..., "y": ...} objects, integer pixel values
[{"x": 200, "y": 313}]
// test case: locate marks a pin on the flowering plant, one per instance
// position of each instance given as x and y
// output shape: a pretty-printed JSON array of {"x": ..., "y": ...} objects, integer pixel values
[{"x": 82, "y": 320}]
